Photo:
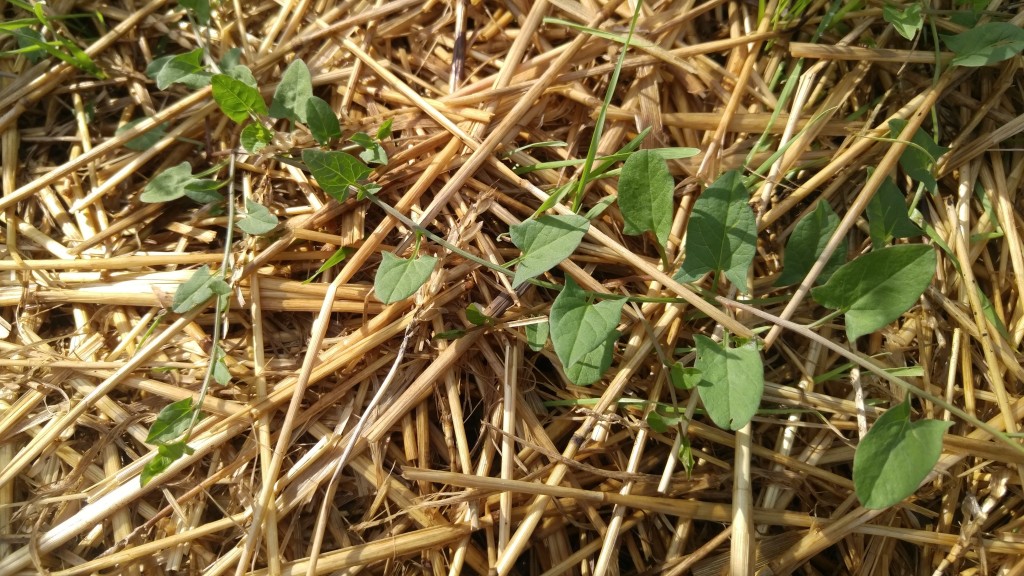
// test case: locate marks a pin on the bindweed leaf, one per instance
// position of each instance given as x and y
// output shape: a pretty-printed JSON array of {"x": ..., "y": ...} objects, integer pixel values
[
  {"x": 322, "y": 122},
  {"x": 200, "y": 8},
  {"x": 877, "y": 288},
  {"x": 919, "y": 160},
  {"x": 986, "y": 44},
  {"x": 145, "y": 141},
  {"x": 895, "y": 456},
  {"x": 545, "y": 242},
  {"x": 373, "y": 152},
  {"x": 645, "y": 195},
  {"x": 255, "y": 137},
  {"x": 339, "y": 256},
  {"x": 295, "y": 88},
  {"x": 236, "y": 99},
  {"x": 887, "y": 216},
  {"x": 721, "y": 235},
  {"x": 808, "y": 240},
  {"x": 384, "y": 131},
  {"x": 537, "y": 336},
  {"x": 335, "y": 171},
  {"x": 583, "y": 333},
  {"x": 906, "y": 20},
  {"x": 398, "y": 278},
  {"x": 732, "y": 381},
  {"x": 169, "y": 184},
  {"x": 171, "y": 422},
  {"x": 258, "y": 220},
  {"x": 185, "y": 69},
  {"x": 684, "y": 378},
  {"x": 475, "y": 315},
  {"x": 166, "y": 454},
  {"x": 197, "y": 290},
  {"x": 221, "y": 374}
]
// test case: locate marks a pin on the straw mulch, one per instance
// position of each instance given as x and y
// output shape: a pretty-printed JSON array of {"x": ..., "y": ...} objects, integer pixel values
[{"x": 483, "y": 458}]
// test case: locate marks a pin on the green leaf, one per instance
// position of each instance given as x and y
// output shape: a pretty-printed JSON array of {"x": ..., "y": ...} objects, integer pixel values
[
  {"x": 877, "y": 288},
  {"x": 166, "y": 454},
  {"x": 221, "y": 374},
  {"x": 986, "y": 44},
  {"x": 919, "y": 160},
  {"x": 732, "y": 381},
  {"x": 255, "y": 137},
  {"x": 231, "y": 65},
  {"x": 201, "y": 9},
  {"x": 450, "y": 335},
  {"x": 184, "y": 68},
  {"x": 807, "y": 242},
  {"x": 583, "y": 334},
  {"x": 384, "y": 131},
  {"x": 204, "y": 191},
  {"x": 895, "y": 457},
  {"x": 339, "y": 255},
  {"x": 335, "y": 171},
  {"x": 545, "y": 242},
  {"x": 657, "y": 422},
  {"x": 171, "y": 422},
  {"x": 197, "y": 290},
  {"x": 373, "y": 152},
  {"x": 237, "y": 100},
  {"x": 721, "y": 235},
  {"x": 145, "y": 141},
  {"x": 295, "y": 88},
  {"x": 322, "y": 122},
  {"x": 684, "y": 378},
  {"x": 398, "y": 278},
  {"x": 645, "y": 195},
  {"x": 230, "y": 59},
  {"x": 475, "y": 315},
  {"x": 258, "y": 220},
  {"x": 907, "y": 21},
  {"x": 686, "y": 456},
  {"x": 537, "y": 336},
  {"x": 169, "y": 184},
  {"x": 887, "y": 216}
]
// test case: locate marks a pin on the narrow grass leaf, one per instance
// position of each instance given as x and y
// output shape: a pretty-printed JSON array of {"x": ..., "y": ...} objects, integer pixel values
[
  {"x": 255, "y": 137},
  {"x": 236, "y": 99},
  {"x": 545, "y": 242},
  {"x": 732, "y": 381},
  {"x": 537, "y": 336},
  {"x": 721, "y": 235},
  {"x": 887, "y": 216},
  {"x": 339, "y": 256},
  {"x": 169, "y": 184},
  {"x": 808, "y": 240},
  {"x": 398, "y": 278},
  {"x": 877, "y": 288},
  {"x": 645, "y": 196},
  {"x": 986, "y": 44},
  {"x": 171, "y": 422},
  {"x": 335, "y": 170},
  {"x": 322, "y": 122},
  {"x": 197, "y": 290},
  {"x": 580, "y": 330},
  {"x": 295, "y": 88},
  {"x": 258, "y": 220},
  {"x": 895, "y": 457},
  {"x": 144, "y": 141}
]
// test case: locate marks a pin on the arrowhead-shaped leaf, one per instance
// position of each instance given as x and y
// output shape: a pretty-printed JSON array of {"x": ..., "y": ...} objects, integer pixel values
[
  {"x": 645, "y": 195},
  {"x": 807, "y": 242},
  {"x": 322, "y": 122},
  {"x": 295, "y": 88},
  {"x": 887, "y": 216},
  {"x": 398, "y": 278},
  {"x": 721, "y": 235},
  {"x": 732, "y": 381},
  {"x": 877, "y": 288},
  {"x": 197, "y": 290},
  {"x": 895, "y": 457},
  {"x": 169, "y": 184},
  {"x": 545, "y": 242},
  {"x": 583, "y": 333},
  {"x": 258, "y": 220},
  {"x": 335, "y": 171}
]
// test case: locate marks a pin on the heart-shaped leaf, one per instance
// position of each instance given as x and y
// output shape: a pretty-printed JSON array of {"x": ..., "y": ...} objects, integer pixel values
[
  {"x": 335, "y": 170},
  {"x": 986, "y": 44},
  {"x": 236, "y": 99},
  {"x": 721, "y": 235},
  {"x": 732, "y": 381},
  {"x": 645, "y": 195},
  {"x": 184, "y": 68},
  {"x": 258, "y": 220},
  {"x": 583, "y": 333},
  {"x": 398, "y": 278},
  {"x": 197, "y": 290},
  {"x": 877, "y": 288},
  {"x": 887, "y": 216},
  {"x": 895, "y": 457},
  {"x": 169, "y": 184},
  {"x": 545, "y": 242},
  {"x": 807, "y": 242},
  {"x": 255, "y": 137}
]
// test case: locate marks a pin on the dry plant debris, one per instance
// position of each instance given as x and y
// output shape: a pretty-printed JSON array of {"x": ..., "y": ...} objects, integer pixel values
[{"x": 483, "y": 456}]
